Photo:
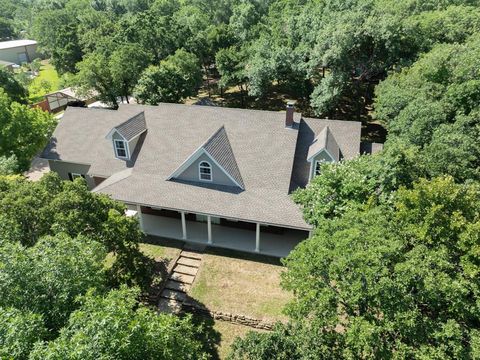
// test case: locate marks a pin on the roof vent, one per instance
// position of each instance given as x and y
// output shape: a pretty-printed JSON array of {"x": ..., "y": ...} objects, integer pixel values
[{"x": 289, "y": 114}]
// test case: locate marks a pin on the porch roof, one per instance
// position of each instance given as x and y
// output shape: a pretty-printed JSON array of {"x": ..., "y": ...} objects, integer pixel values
[{"x": 265, "y": 206}]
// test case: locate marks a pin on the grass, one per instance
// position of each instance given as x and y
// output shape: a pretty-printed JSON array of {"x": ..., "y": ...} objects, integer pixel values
[
  {"x": 47, "y": 74},
  {"x": 169, "y": 250},
  {"x": 244, "y": 284}
]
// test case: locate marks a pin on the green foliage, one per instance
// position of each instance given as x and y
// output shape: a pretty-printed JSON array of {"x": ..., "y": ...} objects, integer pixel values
[
  {"x": 367, "y": 179},
  {"x": 278, "y": 344},
  {"x": 12, "y": 87},
  {"x": 24, "y": 131},
  {"x": 56, "y": 32},
  {"x": 126, "y": 64},
  {"x": 394, "y": 281},
  {"x": 176, "y": 78},
  {"x": 19, "y": 331},
  {"x": 47, "y": 277},
  {"x": 30, "y": 210},
  {"x": 434, "y": 105},
  {"x": 94, "y": 73},
  {"x": 8, "y": 165},
  {"x": 116, "y": 327}
]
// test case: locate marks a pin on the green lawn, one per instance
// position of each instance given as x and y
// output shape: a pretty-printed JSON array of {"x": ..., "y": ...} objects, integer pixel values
[
  {"x": 167, "y": 251},
  {"x": 241, "y": 284},
  {"x": 49, "y": 75}
]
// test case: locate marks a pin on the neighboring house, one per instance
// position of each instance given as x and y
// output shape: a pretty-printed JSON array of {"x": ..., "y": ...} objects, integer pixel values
[
  {"x": 18, "y": 51},
  {"x": 213, "y": 175}
]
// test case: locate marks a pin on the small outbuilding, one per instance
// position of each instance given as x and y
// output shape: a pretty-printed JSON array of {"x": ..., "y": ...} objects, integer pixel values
[
  {"x": 59, "y": 100},
  {"x": 18, "y": 51},
  {"x": 7, "y": 65}
]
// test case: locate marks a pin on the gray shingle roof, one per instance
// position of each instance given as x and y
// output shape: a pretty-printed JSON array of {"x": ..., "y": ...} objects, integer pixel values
[
  {"x": 271, "y": 159},
  {"x": 324, "y": 141},
  {"x": 133, "y": 126},
  {"x": 219, "y": 148}
]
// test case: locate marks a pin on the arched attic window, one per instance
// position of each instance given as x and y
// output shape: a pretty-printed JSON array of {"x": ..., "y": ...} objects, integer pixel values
[{"x": 205, "y": 171}]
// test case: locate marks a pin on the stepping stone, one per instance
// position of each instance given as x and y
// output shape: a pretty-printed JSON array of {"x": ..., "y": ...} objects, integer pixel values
[
  {"x": 189, "y": 262},
  {"x": 175, "y": 285},
  {"x": 191, "y": 255},
  {"x": 184, "y": 278},
  {"x": 186, "y": 270},
  {"x": 169, "y": 306},
  {"x": 174, "y": 295}
]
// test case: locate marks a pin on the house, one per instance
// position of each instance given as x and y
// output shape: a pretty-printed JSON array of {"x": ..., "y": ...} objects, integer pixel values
[
  {"x": 18, "y": 51},
  {"x": 213, "y": 175}
]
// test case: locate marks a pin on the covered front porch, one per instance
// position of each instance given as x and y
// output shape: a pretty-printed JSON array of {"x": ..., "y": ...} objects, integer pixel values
[{"x": 219, "y": 232}]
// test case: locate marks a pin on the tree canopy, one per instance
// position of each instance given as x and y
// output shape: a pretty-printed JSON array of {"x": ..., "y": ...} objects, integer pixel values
[
  {"x": 174, "y": 79},
  {"x": 395, "y": 280},
  {"x": 115, "y": 326},
  {"x": 23, "y": 131}
]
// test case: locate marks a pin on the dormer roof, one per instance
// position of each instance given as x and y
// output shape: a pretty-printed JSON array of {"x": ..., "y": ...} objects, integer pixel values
[
  {"x": 325, "y": 141},
  {"x": 218, "y": 148},
  {"x": 131, "y": 128}
]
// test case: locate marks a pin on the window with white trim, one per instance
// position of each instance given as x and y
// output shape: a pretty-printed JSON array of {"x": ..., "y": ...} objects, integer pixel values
[
  {"x": 205, "y": 171},
  {"x": 318, "y": 166},
  {"x": 120, "y": 148}
]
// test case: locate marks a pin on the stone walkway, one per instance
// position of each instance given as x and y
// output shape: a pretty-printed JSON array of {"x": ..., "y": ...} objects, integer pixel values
[{"x": 181, "y": 279}]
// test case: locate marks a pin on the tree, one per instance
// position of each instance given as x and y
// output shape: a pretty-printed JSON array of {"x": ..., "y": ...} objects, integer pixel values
[
  {"x": 12, "y": 87},
  {"x": 31, "y": 210},
  {"x": 398, "y": 280},
  {"x": 115, "y": 326},
  {"x": 19, "y": 331},
  {"x": 126, "y": 64},
  {"x": 434, "y": 105},
  {"x": 7, "y": 32},
  {"x": 47, "y": 277},
  {"x": 94, "y": 74},
  {"x": 56, "y": 32},
  {"x": 366, "y": 179},
  {"x": 23, "y": 131},
  {"x": 177, "y": 77}
]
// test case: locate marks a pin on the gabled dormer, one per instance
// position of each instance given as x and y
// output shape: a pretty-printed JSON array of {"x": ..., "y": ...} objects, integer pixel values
[
  {"x": 213, "y": 162},
  {"x": 324, "y": 148},
  {"x": 124, "y": 137}
]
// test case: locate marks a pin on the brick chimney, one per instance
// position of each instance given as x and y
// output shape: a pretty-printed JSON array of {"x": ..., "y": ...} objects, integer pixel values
[{"x": 289, "y": 114}]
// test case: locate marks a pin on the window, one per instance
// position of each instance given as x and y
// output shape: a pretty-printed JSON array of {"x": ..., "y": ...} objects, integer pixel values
[
  {"x": 318, "y": 165},
  {"x": 120, "y": 148},
  {"x": 73, "y": 176},
  {"x": 205, "y": 171}
]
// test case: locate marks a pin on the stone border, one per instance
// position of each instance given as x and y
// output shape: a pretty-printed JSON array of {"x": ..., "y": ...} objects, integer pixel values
[{"x": 228, "y": 317}]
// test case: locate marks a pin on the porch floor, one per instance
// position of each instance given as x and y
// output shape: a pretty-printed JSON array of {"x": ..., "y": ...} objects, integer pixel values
[{"x": 278, "y": 245}]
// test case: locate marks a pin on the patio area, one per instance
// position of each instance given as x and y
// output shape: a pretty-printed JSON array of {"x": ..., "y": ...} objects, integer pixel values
[{"x": 273, "y": 244}]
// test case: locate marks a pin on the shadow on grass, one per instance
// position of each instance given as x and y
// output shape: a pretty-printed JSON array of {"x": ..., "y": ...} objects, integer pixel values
[
  {"x": 210, "y": 338},
  {"x": 243, "y": 255}
]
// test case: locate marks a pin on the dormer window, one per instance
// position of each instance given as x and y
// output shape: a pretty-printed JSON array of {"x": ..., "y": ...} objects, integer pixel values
[
  {"x": 120, "y": 148},
  {"x": 205, "y": 171}
]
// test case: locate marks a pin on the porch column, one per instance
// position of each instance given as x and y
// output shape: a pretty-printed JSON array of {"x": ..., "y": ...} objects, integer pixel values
[
  {"x": 140, "y": 218},
  {"x": 209, "y": 225},
  {"x": 310, "y": 233},
  {"x": 184, "y": 226},
  {"x": 257, "y": 239}
]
